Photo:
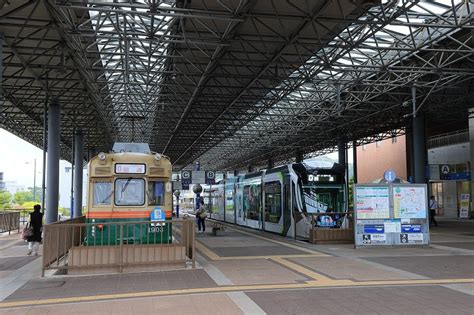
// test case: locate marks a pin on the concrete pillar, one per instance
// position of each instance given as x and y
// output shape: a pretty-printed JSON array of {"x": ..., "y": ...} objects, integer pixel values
[
  {"x": 419, "y": 150},
  {"x": 354, "y": 157},
  {"x": 299, "y": 156},
  {"x": 78, "y": 166},
  {"x": 52, "y": 185},
  {"x": 471, "y": 143}
]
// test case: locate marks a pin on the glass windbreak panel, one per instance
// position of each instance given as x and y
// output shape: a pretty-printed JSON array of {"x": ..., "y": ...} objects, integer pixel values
[
  {"x": 102, "y": 193},
  {"x": 130, "y": 192},
  {"x": 251, "y": 205},
  {"x": 156, "y": 193},
  {"x": 272, "y": 202}
]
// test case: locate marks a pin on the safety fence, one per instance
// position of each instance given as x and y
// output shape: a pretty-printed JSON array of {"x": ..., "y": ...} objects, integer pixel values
[
  {"x": 9, "y": 221},
  {"x": 332, "y": 227},
  {"x": 72, "y": 245}
]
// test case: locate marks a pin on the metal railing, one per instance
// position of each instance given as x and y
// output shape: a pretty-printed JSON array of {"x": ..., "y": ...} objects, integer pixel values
[
  {"x": 74, "y": 244},
  {"x": 445, "y": 139},
  {"x": 24, "y": 214},
  {"x": 9, "y": 221},
  {"x": 335, "y": 231}
]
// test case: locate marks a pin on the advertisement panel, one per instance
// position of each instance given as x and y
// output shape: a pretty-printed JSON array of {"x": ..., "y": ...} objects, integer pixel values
[{"x": 464, "y": 209}]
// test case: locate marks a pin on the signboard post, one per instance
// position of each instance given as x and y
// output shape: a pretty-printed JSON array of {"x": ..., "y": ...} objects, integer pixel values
[{"x": 391, "y": 214}]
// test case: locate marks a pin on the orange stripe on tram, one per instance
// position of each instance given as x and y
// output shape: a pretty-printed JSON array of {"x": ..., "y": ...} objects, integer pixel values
[{"x": 122, "y": 214}]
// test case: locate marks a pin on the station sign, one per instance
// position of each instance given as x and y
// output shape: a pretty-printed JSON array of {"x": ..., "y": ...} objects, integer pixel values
[
  {"x": 186, "y": 179},
  {"x": 210, "y": 177}
]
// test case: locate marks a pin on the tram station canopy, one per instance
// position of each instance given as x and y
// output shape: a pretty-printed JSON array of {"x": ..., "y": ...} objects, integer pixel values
[{"x": 232, "y": 82}]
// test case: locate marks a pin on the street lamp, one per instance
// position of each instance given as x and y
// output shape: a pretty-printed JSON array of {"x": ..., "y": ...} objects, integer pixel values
[
  {"x": 177, "y": 193},
  {"x": 34, "y": 179}
]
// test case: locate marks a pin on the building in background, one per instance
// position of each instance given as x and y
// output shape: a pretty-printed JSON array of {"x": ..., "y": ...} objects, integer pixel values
[
  {"x": 449, "y": 171},
  {"x": 375, "y": 158}
]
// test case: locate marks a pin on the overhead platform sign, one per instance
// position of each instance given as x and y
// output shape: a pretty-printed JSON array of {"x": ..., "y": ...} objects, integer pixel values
[
  {"x": 186, "y": 179},
  {"x": 391, "y": 215}
]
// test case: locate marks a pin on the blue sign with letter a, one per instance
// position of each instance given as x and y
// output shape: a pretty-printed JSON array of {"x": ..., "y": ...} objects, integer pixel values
[{"x": 157, "y": 214}]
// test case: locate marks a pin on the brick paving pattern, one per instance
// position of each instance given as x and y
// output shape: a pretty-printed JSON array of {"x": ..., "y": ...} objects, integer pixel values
[{"x": 370, "y": 300}]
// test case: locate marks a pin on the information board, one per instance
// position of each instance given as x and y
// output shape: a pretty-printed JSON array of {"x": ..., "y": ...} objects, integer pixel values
[
  {"x": 372, "y": 202},
  {"x": 391, "y": 215},
  {"x": 409, "y": 202}
]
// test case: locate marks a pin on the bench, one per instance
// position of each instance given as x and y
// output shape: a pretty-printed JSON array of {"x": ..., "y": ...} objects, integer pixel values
[{"x": 217, "y": 228}]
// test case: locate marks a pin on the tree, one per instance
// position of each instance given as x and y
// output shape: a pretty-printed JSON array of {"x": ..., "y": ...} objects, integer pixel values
[
  {"x": 29, "y": 205},
  {"x": 25, "y": 196},
  {"x": 21, "y": 197},
  {"x": 5, "y": 199}
]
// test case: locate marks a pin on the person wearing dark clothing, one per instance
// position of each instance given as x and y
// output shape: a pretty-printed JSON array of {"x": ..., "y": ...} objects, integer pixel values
[
  {"x": 201, "y": 217},
  {"x": 433, "y": 207},
  {"x": 36, "y": 222}
]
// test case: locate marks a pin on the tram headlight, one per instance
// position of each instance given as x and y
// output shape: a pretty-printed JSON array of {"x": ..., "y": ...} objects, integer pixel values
[
  {"x": 101, "y": 156},
  {"x": 157, "y": 156}
]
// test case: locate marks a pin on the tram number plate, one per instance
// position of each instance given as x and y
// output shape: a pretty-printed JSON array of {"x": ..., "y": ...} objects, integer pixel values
[{"x": 155, "y": 229}]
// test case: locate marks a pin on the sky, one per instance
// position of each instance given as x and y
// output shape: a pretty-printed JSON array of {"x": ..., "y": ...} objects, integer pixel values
[{"x": 17, "y": 160}]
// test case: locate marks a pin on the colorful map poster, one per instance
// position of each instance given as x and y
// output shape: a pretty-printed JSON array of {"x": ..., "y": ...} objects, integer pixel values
[
  {"x": 372, "y": 202},
  {"x": 409, "y": 202}
]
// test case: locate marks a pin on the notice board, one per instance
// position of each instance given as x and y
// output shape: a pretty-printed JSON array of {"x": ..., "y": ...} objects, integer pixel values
[{"x": 391, "y": 215}]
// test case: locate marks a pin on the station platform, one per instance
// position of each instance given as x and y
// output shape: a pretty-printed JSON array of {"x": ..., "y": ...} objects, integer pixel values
[{"x": 249, "y": 272}]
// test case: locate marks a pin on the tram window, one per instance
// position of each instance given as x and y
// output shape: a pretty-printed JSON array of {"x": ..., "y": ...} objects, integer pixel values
[
  {"x": 251, "y": 204},
  {"x": 272, "y": 202},
  {"x": 102, "y": 193},
  {"x": 130, "y": 192},
  {"x": 156, "y": 193}
]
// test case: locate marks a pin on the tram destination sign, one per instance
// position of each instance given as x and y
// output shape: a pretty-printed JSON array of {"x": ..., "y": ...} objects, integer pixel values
[{"x": 121, "y": 168}]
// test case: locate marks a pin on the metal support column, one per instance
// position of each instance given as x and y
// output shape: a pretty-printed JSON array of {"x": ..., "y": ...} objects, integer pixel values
[
  {"x": 52, "y": 192},
  {"x": 419, "y": 144},
  {"x": 78, "y": 167},
  {"x": 299, "y": 156},
  {"x": 342, "y": 154},
  {"x": 270, "y": 163},
  {"x": 354, "y": 157},
  {"x": 419, "y": 150},
  {"x": 341, "y": 151}
]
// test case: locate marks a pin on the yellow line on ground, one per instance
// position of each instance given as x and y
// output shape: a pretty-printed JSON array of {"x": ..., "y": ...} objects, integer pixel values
[
  {"x": 221, "y": 289},
  {"x": 213, "y": 256},
  {"x": 316, "y": 253},
  {"x": 206, "y": 251},
  {"x": 307, "y": 272},
  {"x": 266, "y": 257}
]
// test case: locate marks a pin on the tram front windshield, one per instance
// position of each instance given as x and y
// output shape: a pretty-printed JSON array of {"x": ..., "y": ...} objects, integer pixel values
[
  {"x": 323, "y": 194},
  {"x": 130, "y": 192}
]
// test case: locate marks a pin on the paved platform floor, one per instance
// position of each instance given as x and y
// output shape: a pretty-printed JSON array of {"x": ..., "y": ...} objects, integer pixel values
[{"x": 248, "y": 272}]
